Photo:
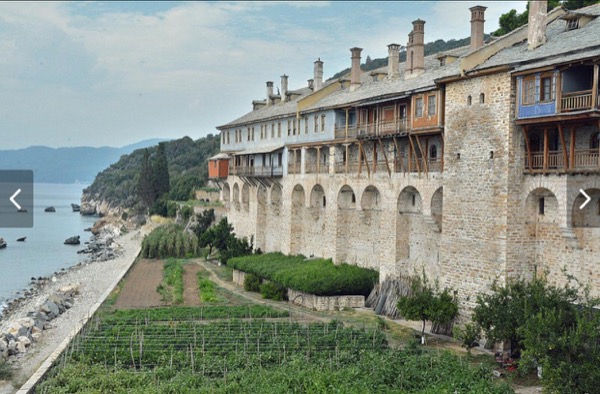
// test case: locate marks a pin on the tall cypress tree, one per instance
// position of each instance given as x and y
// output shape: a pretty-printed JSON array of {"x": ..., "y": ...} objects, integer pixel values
[
  {"x": 145, "y": 187},
  {"x": 160, "y": 175}
]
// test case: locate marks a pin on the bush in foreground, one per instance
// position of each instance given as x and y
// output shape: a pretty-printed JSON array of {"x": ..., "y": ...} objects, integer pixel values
[{"x": 169, "y": 241}]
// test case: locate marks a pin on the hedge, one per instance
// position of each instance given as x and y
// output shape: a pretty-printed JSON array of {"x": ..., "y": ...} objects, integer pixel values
[{"x": 315, "y": 276}]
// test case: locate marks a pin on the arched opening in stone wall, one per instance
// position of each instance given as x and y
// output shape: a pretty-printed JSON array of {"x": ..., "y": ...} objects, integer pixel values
[
  {"x": 410, "y": 201},
  {"x": 246, "y": 197},
  {"x": 317, "y": 201},
  {"x": 409, "y": 207},
  {"x": 589, "y": 216},
  {"x": 371, "y": 199},
  {"x": 236, "y": 196},
  {"x": 276, "y": 199},
  {"x": 226, "y": 199},
  {"x": 261, "y": 217},
  {"x": 437, "y": 207},
  {"x": 346, "y": 202},
  {"x": 297, "y": 225},
  {"x": 541, "y": 206}
]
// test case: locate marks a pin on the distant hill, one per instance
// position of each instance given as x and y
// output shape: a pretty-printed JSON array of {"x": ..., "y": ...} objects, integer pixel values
[
  {"x": 116, "y": 186},
  {"x": 66, "y": 165},
  {"x": 430, "y": 48}
]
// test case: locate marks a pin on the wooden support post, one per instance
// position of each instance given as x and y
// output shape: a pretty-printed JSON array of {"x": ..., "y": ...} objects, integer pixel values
[
  {"x": 526, "y": 134},
  {"x": 564, "y": 146},
  {"x": 558, "y": 88},
  {"x": 359, "y": 158},
  {"x": 318, "y": 159},
  {"x": 572, "y": 148},
  {"x": 387, "y": 163},
  {"x": 398, "y": 154},
  {"x": 423, "y": 156},
  {"x": 366, "y": 160},
  {"x": 374, "y": 156},
  {"x": 347, "y": 112},
  {"x": 442, "y": 157},
  {"x": 595, "y": 87},
  {"x": 545, "y": 150},
  {"x": 416, "y": 158},
  {"x": 347, "y": 160}
]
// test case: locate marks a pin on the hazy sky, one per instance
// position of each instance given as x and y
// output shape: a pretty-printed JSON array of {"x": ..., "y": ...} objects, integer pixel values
[{"x": 114, "y": 73}]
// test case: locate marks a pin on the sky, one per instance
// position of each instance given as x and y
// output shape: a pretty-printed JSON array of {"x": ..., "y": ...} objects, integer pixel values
[{"x": 115, "y": 73}]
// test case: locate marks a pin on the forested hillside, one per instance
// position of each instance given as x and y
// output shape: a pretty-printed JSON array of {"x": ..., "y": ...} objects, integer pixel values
[{"x": 187, "y": 162}]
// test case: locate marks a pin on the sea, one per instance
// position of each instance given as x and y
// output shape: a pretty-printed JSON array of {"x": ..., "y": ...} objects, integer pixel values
[{"x": 43, "y": 251}]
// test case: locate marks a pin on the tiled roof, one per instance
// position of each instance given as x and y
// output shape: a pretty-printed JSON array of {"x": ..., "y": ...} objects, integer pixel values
[{"x": 559, "y": 43}]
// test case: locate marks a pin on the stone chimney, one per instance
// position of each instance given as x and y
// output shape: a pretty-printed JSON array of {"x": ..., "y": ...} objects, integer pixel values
[
  {"x": 311, "y": 84},
  {"x": 284, "y": 87},
  {"x": 269, "y": 92},
  {"x": 355, "y": 70},
  {"x": 477, "y": 21},
  {"x": 318, "y": 75},
  {"x": 415, "y": 54},
  {"x": 536, "y": 27},
  {"x": 393, "y": 60}
]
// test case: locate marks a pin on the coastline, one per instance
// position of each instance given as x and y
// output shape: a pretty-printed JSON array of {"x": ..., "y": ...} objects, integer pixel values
[{"x": 93, "y": 279}]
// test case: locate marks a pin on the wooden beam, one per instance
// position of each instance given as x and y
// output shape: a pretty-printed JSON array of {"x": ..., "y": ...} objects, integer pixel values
[
  {"x": 318, "y": 159},
  {"x": 558, "y": 92},
  {"x": 374, "y": 156},
  {"x": 359, "y": 158},
  {"x": 595, "y": 87},
  {"x": 347, "y": 160},
  {"x": 526, "y": 134},
  {"x": 545, "y": 149},
  {"x": 414, "y": 150},
  {"x": 366, "y": 160},
  {"x": 572, "y": 148},
  {"x": 423, "y": 156},
  {"x": 398, "y": 154},
  {"x": 347, "y": 112},
  {"x": 564, "y": 146},
  {"x": 387, "y": 163},
  {"x": 442, "y": 157}
]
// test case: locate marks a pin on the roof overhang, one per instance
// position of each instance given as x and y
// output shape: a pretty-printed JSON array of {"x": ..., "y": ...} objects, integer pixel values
[{"x": 259, "y": 149}]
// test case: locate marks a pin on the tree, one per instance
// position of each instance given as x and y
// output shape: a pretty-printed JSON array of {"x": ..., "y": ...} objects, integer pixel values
[
  {"x": 145, "y": 189},
  {"x": 427, "y": 303},
  {"x": 203, "y": 221},
  {"x": 161, "y": 182}
]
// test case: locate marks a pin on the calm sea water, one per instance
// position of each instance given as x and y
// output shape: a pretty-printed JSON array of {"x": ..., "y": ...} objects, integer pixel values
[{"x": 43, "y": 252}]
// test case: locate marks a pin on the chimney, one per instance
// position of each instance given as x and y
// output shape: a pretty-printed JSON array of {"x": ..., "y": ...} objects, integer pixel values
[
  {"x": 311, "y": 84},
  {"x": 269, "y": 93},
  {"x": 355, "y": 70},
  {"x": 318, "y": 75},
  {"x": 393, "y": 60},
  {"x": 477, "y": 21},
  {"x": 536, "y": 27},
  {"x": 284, "y": 87},
  {"x": 415, "y": 56}
]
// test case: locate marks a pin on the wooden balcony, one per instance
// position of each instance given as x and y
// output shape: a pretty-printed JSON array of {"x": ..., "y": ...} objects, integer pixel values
[
  {"x": 342, "y": 133},
  {"x": 257, "y": 171},
  {"x": 384, "y": 128},
  {"x": 576, "y": 101},
  {"x": 583, "y": 161},
  {"x": 322, "y": 168}
]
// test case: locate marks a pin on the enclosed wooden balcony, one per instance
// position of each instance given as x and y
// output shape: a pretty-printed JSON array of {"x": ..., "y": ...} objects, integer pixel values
[
  {"x": 399, "y": 126},
  {"x": 257, "y": 171},
  {"x": 576, "y": 101}
]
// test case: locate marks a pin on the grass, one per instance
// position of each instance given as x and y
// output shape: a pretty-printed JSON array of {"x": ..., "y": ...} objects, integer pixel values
[
  {"x": 171, "y": 288},
  {"x": 206, "y": 288}
]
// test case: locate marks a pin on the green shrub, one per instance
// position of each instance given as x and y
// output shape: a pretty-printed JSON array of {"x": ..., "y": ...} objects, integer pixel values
[
  {"x": 169, "y": 241},
  {"x": 468, "y": 336},
  {"x": 252, "y": 282},
  {"x": 186, "y": 213},
  {"x": 171, "y": 288},
  {"x": 273, "y": 291},
  {"x": 317, "y": 276}
]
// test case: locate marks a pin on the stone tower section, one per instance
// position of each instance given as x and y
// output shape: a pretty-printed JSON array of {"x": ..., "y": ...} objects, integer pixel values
[
  {"x": 355, "y": 69},
  {"x": 318, "y": 75},
  {"x": 536, "y": 26},
  {"x": 415, "y": 52},
  {"x": 477, "y": 24},
  {"x": 393, "y": 60}
]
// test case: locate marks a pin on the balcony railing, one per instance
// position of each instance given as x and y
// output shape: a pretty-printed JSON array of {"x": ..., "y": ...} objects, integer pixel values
[
  {"x": 323, "y": 168},
  {"x": 583, "y": 159},
  {"x": 257, "y": 171},
  {"x": 340, "y": 132},
  {"x": 384, "y": 127},
  {"x": 576, "y": 101}
]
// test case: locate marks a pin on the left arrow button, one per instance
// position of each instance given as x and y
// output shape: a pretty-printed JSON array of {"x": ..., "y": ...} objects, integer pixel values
[{"x": 12, "y": 199}]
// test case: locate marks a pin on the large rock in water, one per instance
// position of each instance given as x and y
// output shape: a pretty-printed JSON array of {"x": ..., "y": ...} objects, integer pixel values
[
  {"x": 50, "y": 209},
  {"x": 73, "y": 240},
  {"x": 75, "y": 207},
  {"x": 87, "y": 209},
  {"x": 2, "y": 243}
]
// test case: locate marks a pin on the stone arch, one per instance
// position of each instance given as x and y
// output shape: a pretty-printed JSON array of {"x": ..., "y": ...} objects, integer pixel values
[
  {"x": 276, "y": 195},
  {"x": 346, "y": 198},
  {"x": 371, "y": 199},
  {"x": 261, "y": 195},
  {"x": 246, "y": 197},
  {"x": 589, "y": 216},
  {"x": 409, "y": 201},
  {"x": 236, "y": 196},
  {"x": 437, "y": 206},
  {"x": 541, "y": 206},
  {"x": 260, "y": 242},
  {"x": 317, "y": 197},
  {"x": 298, "y": 199},
  {"x": 226, "y": 193}
]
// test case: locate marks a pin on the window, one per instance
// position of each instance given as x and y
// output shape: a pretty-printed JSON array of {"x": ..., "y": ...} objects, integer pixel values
[
  {"x": 541, "y": 205},
  {"x": 469, "y": 100},
  {"x": 278, "y": 129},
  {"x": 529, "y": 91},
  {"x": 315, "y": 124},
  {"x": 419, "y": 107},
  {"x": 433, "y": 152},
  {"x": 272, "y": 130},
  {"x": 482, "y": 98},
  {"x": 546, "y": 91},
  {"x": 323, "y": 123},
  {"x": 306, "y": 125},
  {"x": 572, "y": 24},
  {"x": 289, "y": 127},
  {"x": 248, "y": 133},
  {"x": 595, "y": 141},
  {"x": 431, "y": 105},
  {"x": 294, "y": 127}
]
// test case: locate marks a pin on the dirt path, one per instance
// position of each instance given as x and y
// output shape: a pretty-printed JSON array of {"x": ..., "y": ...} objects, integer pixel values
[
  {"x": 139, "y": 289},
  {"x": 190, "y": 284}
]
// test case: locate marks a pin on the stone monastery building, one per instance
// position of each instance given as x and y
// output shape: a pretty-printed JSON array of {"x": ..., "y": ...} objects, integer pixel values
[{"x": 467, "y": 164}]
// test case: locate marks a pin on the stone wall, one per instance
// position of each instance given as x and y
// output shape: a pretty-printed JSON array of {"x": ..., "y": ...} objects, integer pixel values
[{"x": 321, "y": 303}]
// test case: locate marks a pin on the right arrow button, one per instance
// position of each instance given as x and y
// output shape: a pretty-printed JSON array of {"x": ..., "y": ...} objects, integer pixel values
[{"x": 587, "y": 199}]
